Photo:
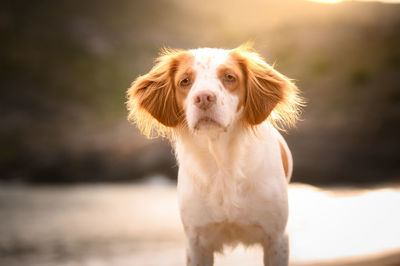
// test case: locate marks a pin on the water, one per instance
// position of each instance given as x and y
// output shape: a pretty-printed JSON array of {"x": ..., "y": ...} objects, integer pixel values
[{"x": 139, "y": 225}]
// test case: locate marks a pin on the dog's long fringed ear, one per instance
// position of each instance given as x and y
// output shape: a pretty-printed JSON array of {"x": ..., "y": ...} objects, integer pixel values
[
  {"x": 151, "y": 98},
  {"x": 269, "y": 94}
]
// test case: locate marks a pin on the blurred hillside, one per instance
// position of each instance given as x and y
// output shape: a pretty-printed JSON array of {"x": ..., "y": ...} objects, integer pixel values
[{"x": 66, "y": 66}]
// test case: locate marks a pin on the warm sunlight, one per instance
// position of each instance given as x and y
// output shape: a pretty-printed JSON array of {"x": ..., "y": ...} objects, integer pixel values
[
  {"x": 80, "y": 185},
  {"x": 337, "y": 1},
  {"x": 364, "y": 222},
  {"x": 327, "y": 1}
]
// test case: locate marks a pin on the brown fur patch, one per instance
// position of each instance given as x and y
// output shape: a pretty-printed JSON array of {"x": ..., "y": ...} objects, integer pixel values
[
  {"x": 238, "y": 87},
  {"x": 284, "y": 157},
  {"x": 184, "y": 70},
  {"x": 267, "y": 91},
  {"x": 152, "y": 98}
]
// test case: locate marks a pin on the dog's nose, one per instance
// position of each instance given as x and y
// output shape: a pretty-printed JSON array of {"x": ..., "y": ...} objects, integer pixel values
[{"x": 205, "y": 99}]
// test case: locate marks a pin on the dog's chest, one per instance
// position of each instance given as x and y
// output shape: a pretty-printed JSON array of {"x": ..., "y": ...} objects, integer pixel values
[
  {"x": 225, "y": 183},
  {"x": 226, "y": 191},
  {"x": 227, "y": 195}
]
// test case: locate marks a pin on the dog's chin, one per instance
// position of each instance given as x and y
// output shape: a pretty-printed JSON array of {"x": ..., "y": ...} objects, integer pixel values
[{"x": 208, "y": 124}]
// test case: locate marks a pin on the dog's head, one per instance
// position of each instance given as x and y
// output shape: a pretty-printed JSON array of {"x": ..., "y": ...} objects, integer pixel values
[{"x": 211, "y": 89}]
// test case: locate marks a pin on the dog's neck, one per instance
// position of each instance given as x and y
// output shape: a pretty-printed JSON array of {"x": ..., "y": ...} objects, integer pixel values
[
  {"x": 220, "y": 145},
  {"x": 221, "y": 148}
]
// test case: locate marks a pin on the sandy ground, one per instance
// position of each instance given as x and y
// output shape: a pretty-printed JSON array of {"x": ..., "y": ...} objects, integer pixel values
[{"x": 123, "y": 225}]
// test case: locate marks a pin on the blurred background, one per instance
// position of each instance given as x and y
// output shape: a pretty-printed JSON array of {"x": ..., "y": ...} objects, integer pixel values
[{"x": 66, "y": 65}]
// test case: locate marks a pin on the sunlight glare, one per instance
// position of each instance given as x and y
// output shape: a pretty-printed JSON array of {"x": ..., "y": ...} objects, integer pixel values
[
  {"x": 326, "y": 225},
  {"x": 327, "y": 1},
  {"x": 339, "y": 1}
]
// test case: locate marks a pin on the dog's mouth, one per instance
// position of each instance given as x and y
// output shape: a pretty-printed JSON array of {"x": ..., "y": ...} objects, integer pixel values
[{"x": 207, "y": 123}]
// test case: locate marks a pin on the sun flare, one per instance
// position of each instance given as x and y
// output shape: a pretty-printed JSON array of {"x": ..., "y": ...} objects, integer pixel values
[
  {"x": 338, "y": 1},
  {"x": 327, "y": 1}
]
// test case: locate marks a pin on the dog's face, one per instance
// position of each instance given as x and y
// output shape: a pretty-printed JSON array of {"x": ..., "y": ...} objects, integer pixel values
[{"x": 210, "y": 89}]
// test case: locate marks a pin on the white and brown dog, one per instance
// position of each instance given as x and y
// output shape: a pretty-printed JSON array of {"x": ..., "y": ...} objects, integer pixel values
[{"x": 219, "y": 108}]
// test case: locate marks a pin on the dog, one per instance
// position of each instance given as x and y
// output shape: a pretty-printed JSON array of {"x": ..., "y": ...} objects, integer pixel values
[{"x": 220, "y": 110}]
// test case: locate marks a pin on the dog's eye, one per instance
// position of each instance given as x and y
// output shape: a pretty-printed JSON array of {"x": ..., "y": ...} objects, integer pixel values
[
  {"x": 229, "y": 78},
  {"x": 184, "y": 82}
]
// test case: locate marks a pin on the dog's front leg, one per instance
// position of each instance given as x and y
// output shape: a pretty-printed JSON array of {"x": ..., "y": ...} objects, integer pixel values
[
  {"x": 198, "y": 253},
  {"x": 276, "y": 251}
]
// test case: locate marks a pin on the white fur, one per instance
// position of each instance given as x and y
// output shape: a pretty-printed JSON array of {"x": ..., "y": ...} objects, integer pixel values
[
  {"x": 231, "y": 184},
  {"x": 205, "y": 64}
]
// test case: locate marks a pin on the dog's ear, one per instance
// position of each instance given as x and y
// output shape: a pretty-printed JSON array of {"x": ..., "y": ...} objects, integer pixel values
[
  {"x": 151, "y": 101},
  {"x": 267, "y": 91}
]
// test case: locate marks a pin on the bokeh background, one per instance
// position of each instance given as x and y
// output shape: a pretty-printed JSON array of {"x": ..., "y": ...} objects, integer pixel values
[{"x": 66, "y": 65}]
